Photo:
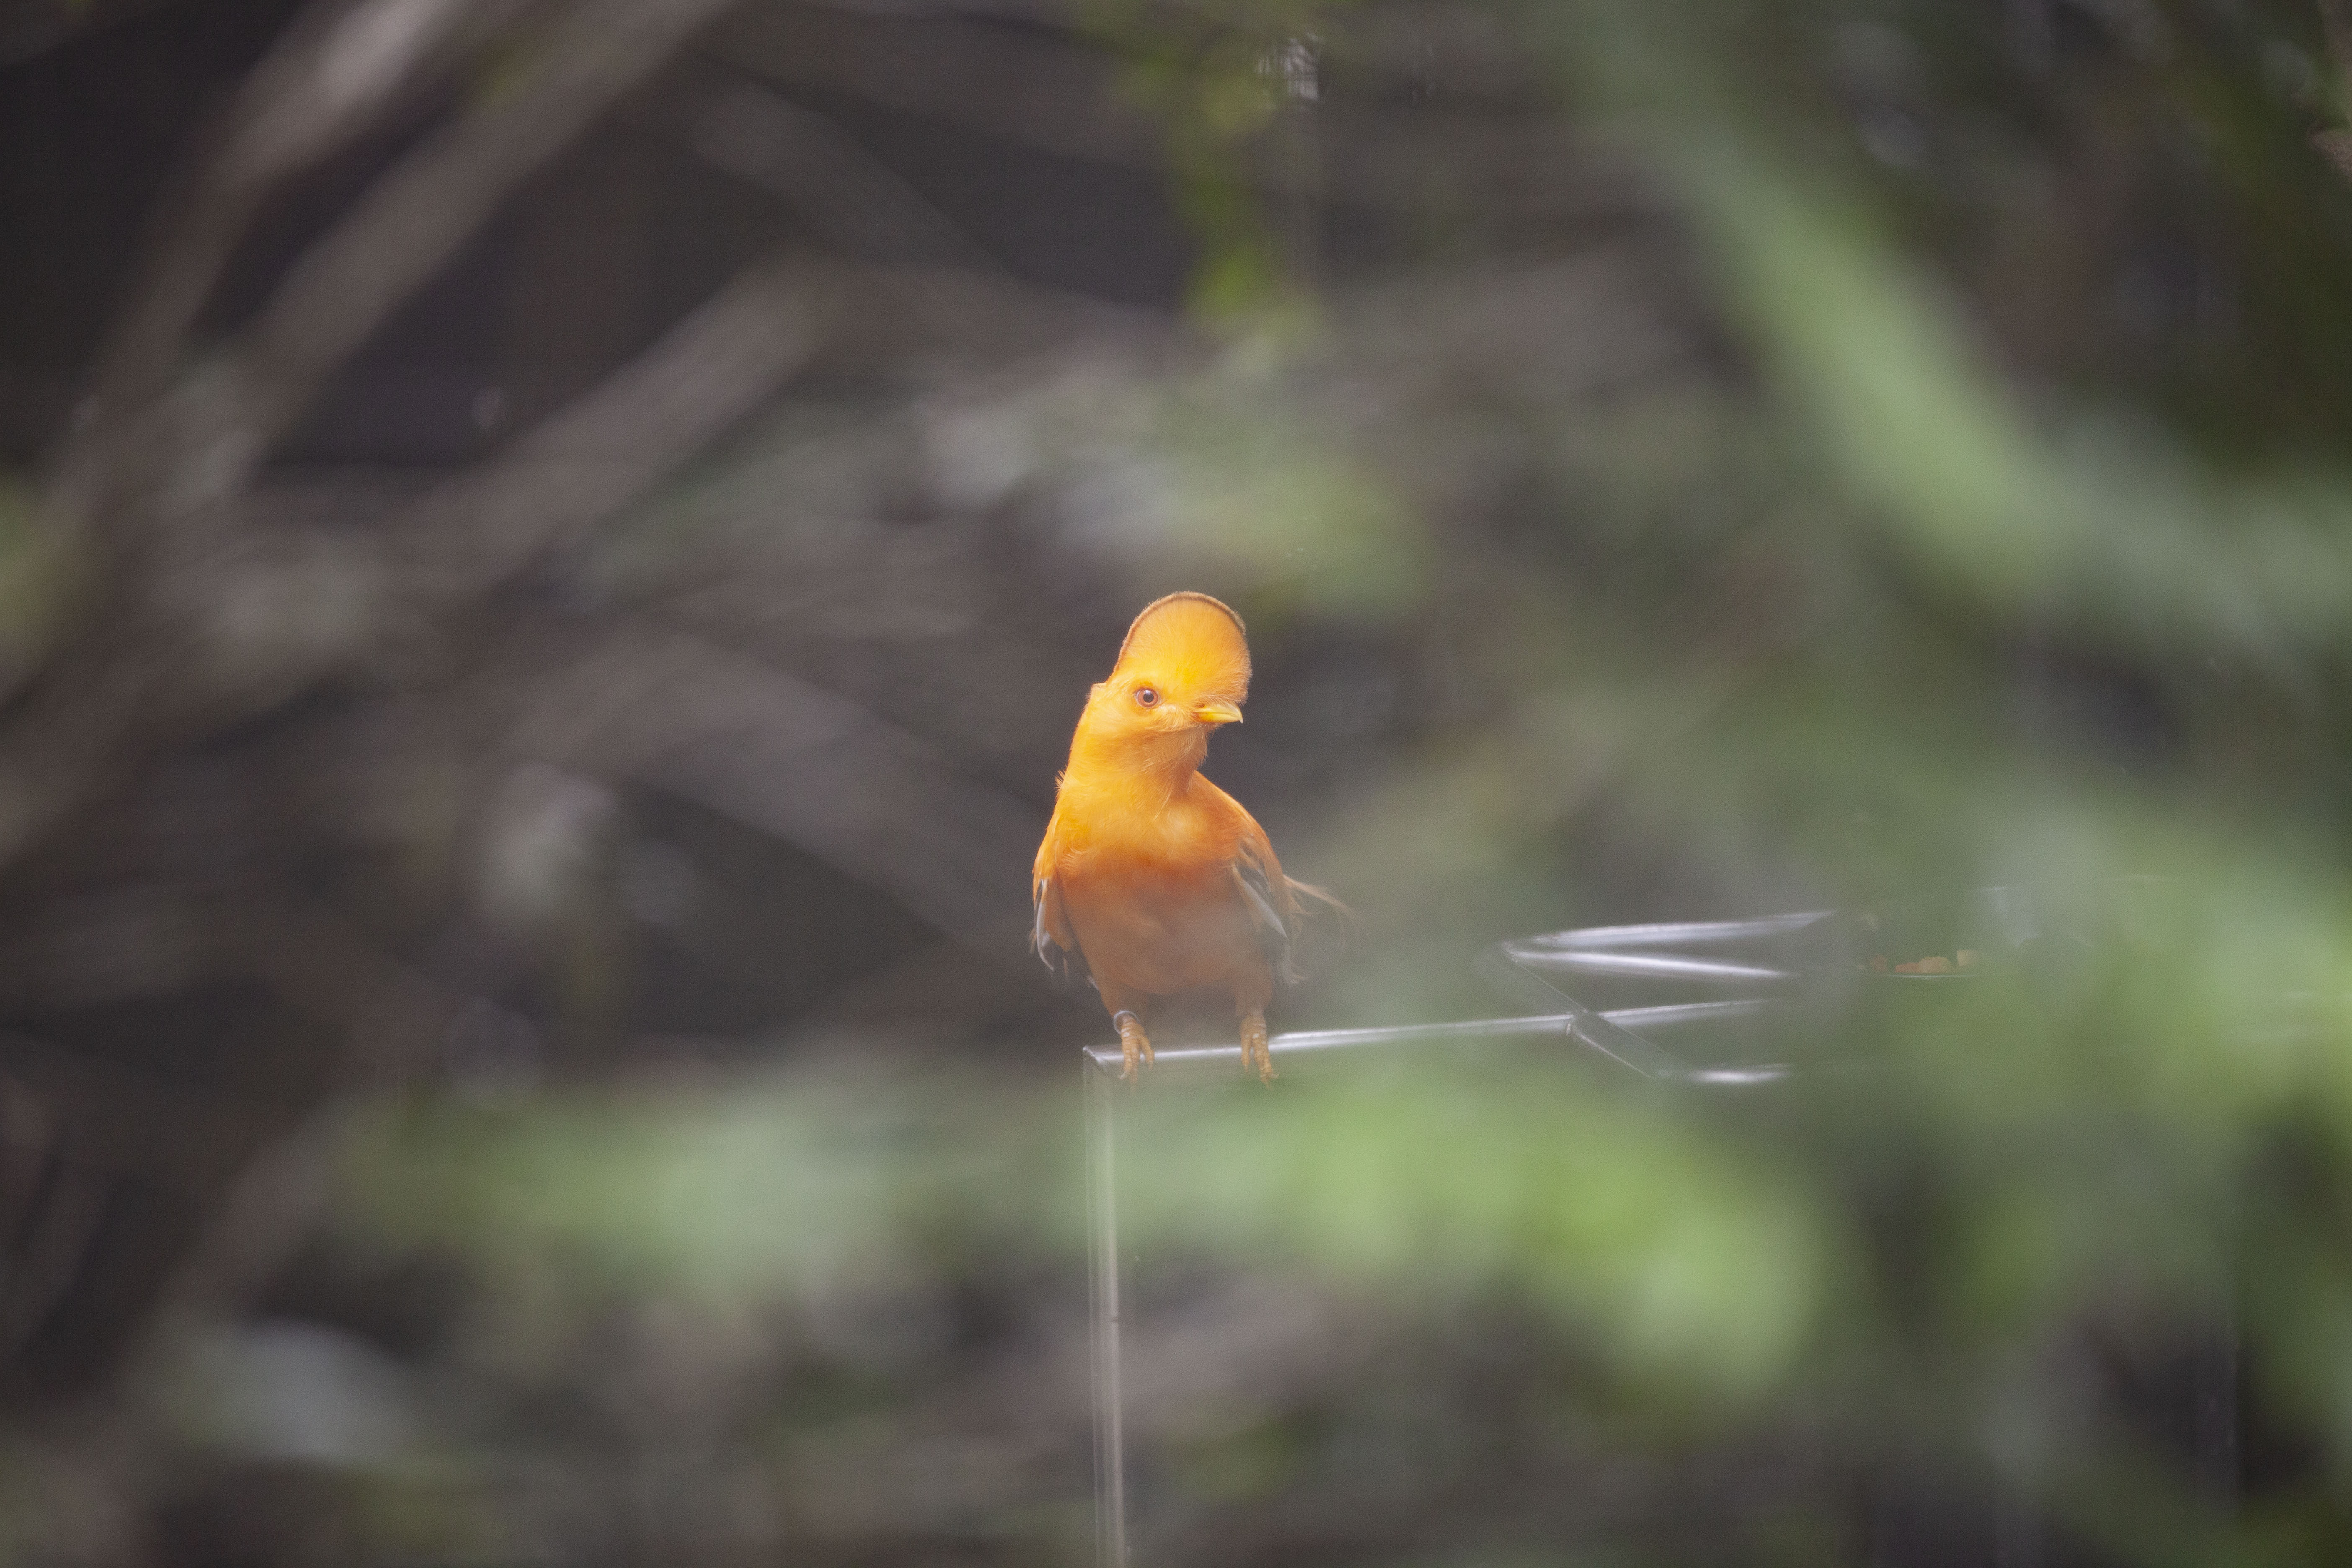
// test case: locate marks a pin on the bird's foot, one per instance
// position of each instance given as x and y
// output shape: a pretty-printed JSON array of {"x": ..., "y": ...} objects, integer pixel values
[
  {"x": 1257, "y": 1055},
  {"x": 1133, "y": 1043}
]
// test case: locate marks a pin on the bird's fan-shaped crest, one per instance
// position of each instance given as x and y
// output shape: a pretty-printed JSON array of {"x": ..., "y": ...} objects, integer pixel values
[{"x": 1192, "y": 639}]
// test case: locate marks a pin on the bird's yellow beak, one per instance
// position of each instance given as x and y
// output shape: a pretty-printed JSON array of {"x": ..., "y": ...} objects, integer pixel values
[{"x": 1217, "y": 714}]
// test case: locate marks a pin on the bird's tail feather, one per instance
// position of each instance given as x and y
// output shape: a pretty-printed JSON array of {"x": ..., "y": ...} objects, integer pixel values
[{"x": 1325, "y": 897}]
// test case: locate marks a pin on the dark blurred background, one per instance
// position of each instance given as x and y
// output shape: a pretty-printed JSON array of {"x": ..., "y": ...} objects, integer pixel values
[{"x": 549, "y": 553}]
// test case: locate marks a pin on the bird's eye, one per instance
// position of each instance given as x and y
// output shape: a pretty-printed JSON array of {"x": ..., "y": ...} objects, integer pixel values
[{"x": 1145, "y": 695}]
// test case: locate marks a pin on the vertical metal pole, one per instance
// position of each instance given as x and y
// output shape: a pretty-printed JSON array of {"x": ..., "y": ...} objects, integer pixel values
[{"x": 1102, "y": 1260}]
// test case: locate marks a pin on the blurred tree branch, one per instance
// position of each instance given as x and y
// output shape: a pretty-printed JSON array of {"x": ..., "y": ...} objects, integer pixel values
[
  {"x": 164, "y": 465},
  {"x": 852, "y": 201},
  {"x": 768, "y": 749},
  {"x": 251, "y": 620},
  {"x": 333, "y": 77},
  {"x": 1069, "y": 100}
]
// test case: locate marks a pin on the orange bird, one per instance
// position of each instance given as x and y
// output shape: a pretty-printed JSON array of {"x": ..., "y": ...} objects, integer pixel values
[{"x": 1151, "y": 877}]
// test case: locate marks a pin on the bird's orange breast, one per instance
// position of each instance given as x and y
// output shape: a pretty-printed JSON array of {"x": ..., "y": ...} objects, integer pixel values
[{"x": 1150, "y": 892}]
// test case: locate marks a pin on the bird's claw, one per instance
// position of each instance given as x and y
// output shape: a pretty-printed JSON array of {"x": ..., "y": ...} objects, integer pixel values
[
  {"x": 1134, "y": 1045},
  {"x": 1256, "y": 1054}
]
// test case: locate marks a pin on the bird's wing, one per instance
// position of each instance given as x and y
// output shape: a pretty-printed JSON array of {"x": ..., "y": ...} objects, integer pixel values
[
  {"x": 1051, "y": 935},
  {"x": 1266, "y": 893}
]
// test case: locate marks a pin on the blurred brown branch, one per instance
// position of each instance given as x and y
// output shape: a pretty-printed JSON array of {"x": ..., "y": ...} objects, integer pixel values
[
  {"x": 1069, "y": 100},
  {"x": 850, "y": 198},
  {"x": 331, "y": 79},
  {"x": 163, "y": 465},
  {"x": 816, "y": 770},
  {"x": 255, "y": 619}
]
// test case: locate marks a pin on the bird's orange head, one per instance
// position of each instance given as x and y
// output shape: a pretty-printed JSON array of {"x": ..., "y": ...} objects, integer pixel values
[{"x": 1183, "y": 670}]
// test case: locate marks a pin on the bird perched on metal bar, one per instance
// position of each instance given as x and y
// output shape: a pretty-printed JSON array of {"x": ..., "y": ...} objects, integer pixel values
[{"x": 1152, "y": 879}]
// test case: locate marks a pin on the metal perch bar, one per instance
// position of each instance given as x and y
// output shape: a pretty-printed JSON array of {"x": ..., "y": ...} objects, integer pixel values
[
  {"x": 1673, "y": 934},
  {"x": 1614, "y": 1035},
  {"x": 1710, "y": 971}
]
